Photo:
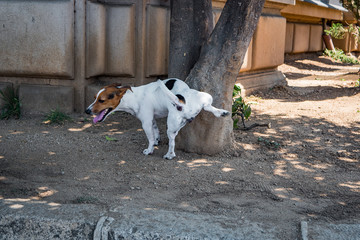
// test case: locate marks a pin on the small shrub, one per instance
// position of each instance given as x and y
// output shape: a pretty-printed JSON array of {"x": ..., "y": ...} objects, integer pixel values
[
  {"x": 239, "y": 107},
  {"x": 12, "y": 104},
  {"x": 57, "y": 117},
  {"x": 339, "y": 55}
]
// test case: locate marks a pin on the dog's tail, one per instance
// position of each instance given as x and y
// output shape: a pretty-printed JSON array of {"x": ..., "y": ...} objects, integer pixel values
[{"x": 175, "y": 100}]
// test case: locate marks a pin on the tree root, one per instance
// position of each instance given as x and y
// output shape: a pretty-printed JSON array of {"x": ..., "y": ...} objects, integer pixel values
[{"x": 245, "y": 128}]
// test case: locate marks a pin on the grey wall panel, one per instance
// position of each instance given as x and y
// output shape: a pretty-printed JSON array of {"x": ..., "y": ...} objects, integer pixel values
[
  {"x": 120, "y": 41},
  {"x": 157, "y": 40},
  {"x": 37, "y": 38},
  {"x": 95, "y": 39}
]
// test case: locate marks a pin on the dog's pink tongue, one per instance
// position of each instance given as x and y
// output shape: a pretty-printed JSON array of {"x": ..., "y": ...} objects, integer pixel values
[{"x": 99, "y": 116}]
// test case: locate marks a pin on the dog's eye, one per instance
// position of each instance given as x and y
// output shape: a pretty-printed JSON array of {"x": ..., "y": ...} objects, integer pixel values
[
  {"x": 101, "y": 101},
  {"x": 111, "y": 96}
]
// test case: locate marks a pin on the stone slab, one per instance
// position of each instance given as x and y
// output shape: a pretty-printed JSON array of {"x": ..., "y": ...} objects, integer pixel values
[
  {"x": 36, "y": 99},
  {"x": 20, "y": 219},
  {"x": 330, "y": 231},
  {"x": 261, "y": 80}
]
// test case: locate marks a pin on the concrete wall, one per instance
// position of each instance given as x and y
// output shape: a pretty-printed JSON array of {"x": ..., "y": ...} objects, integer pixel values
[
  {"x": 60, "y": 52},
  {"x": 303, "y": 37},
  {"x": 304, "y": 28},
  {"x": 54, "y": 51},
  {"x": 110, "y": 40},
  {"x": 269, "y": 42},
  {"x": 315, "y": 42}
]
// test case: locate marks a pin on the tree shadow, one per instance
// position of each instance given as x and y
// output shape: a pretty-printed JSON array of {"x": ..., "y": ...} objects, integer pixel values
[
  {"x": 307, "y": 93},
  {"x": 316, "y": 161},
  {"x": 302, "y": 167}
]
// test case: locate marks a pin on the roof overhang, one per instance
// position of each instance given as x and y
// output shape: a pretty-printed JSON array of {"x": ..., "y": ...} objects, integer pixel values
[
  {"x": 327, "y": 5},
  {"x": 309, "y": 11}
]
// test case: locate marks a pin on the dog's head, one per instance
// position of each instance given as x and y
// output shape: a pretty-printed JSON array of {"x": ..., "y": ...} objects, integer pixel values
[{"x": 106, "y": 101}]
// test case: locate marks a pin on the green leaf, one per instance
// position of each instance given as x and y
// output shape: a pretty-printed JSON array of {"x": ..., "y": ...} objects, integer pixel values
[
  {"x": 235, "y": 126},
  {"x": 110, "y": 138}
]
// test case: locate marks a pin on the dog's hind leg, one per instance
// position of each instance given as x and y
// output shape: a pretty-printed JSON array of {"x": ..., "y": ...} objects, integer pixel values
[
  {"x": 216, "y": 111},
  {"x": 207, "y": 101},
  {"x": 156, "y": 132}
]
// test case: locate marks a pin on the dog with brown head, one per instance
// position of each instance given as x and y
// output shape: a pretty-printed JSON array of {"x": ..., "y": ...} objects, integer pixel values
[{"x": 106, "y": 101}]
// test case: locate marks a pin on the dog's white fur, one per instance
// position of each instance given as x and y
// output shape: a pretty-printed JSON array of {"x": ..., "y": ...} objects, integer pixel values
[{"x": 155, "y": 100}]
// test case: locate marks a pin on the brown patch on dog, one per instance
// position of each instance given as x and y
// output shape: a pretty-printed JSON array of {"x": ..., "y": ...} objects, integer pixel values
[
  {"x": 181, "y": 98},
  {"x": 109, "y": 98}
]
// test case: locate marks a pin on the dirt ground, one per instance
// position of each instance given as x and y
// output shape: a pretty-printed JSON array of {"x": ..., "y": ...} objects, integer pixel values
[{"x": 305, "y": 167}]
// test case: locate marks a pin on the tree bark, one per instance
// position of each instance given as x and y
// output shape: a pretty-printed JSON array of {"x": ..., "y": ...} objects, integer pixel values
[
  {"x": 191, "y": 25},
  {"x": 215, "y": 72}
]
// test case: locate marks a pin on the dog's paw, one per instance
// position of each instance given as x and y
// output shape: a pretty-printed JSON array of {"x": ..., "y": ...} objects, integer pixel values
[
  {"x": 225, "y": 113},
  {"x": 147, "y": 151},
  {"x": 169, "y": 156}
]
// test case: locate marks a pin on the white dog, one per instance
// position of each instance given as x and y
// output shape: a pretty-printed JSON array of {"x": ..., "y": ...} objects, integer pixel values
[{"x": 171, "y": 97}]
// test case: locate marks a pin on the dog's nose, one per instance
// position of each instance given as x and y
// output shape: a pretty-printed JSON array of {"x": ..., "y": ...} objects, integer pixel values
[{"x": 88, "y": 111}]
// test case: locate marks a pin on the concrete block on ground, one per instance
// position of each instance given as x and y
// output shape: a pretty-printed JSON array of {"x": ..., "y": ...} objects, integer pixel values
[
  {"x": 36, "y": 99},
  {"x": 3, "y": 86},
  {"x": 261, "y": 80}
]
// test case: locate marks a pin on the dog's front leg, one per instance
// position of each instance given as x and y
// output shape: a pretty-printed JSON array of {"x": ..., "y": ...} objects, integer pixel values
[{"x": 149, "y": 131}]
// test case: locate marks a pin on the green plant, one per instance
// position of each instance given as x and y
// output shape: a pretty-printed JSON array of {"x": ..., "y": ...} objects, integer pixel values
[
  {"x": 357, "y": 83},
  {"x": 239, "y": 107},
  {"x": 337, "y": 31},
  {"x": 110, "y": 138},
  {"x": 339, "y": 55},
  {"x": 57, "y": 117},
  {"x": 12, "y": 104}
]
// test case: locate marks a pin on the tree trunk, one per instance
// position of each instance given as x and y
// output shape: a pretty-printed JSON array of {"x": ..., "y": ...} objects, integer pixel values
[
  {"x": 215, "y": 72},
  {"x": 191, "y": 24}
]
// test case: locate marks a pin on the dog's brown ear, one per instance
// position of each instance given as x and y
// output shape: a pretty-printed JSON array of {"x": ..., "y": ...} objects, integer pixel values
[
  {"x": 122, "y": 90},
  {"x": 117, "y": 85},
  {"x": 127, "y": 88}
]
